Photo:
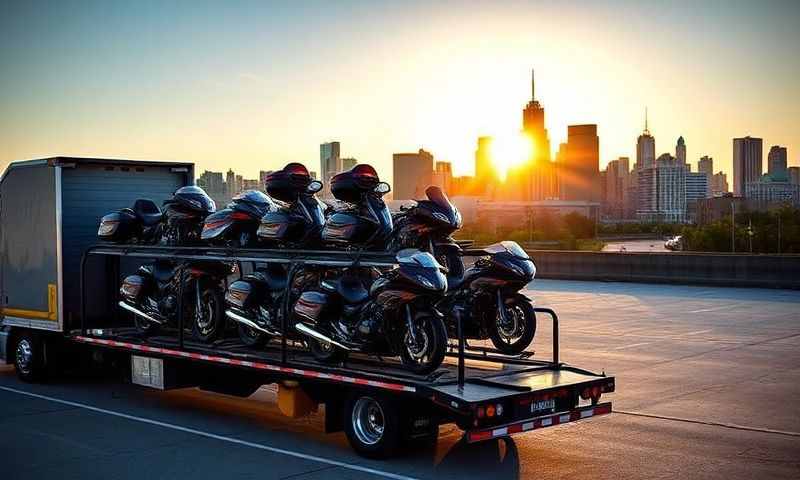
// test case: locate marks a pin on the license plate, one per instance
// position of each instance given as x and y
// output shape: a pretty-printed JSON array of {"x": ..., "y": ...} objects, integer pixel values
[{"x": 542, "y": 405}]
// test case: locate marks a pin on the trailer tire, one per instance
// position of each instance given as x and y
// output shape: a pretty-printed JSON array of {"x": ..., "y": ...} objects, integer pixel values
[
  {"x": 29, "y": 357},
  {"x": 373, "y": 425}
]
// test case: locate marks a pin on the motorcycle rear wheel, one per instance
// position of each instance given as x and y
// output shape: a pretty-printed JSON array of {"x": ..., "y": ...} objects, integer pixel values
[
  {"x": 424, "y": 355},
  {"x": 251, "y": 337},
  {"x": 210, "y": 323},
  {"x": 325, "y": 352}
]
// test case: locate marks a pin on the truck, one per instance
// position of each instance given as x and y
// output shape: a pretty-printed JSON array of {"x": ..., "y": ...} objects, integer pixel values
[{"x": 58, "y": 303}]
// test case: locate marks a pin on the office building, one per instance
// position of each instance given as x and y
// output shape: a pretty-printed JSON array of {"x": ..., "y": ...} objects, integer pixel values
[
  {"x": 614, "y": 186},
  {"x": 776, "y": 161},
  {"x": 706, "y": 165},
  {"x": 348, "y": 163},
  {"x": 680, "y": 152},
  {"x": 212, "y": 182},
  {"x": 747, "y": 163},
  {"x": 773, "y": 189},
  {"x": 485, "y": 172},
  {"x": 330, "y": 164},
  {"x": 794, "y": 175},
  {"x": 697, "y": 188},
  {"x": 645, "y": 148},
  {"x": 443, "y": 176},
  {"x": 580, "y": 173},
  {"x": 662, "y": 191},
  {"x": 537, "y": 175},
  {"x": 413, "y": 173},
  {"x": 719, "y": 184}
]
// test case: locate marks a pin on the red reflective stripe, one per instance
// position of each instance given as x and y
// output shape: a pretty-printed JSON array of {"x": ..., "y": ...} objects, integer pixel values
[
  {"x": 549, "y": 421},
  {"x": 261, "y": 366}
]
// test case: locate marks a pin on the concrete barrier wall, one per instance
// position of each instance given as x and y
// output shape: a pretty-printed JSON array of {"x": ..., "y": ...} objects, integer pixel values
[{"x": 736, "y": 270}]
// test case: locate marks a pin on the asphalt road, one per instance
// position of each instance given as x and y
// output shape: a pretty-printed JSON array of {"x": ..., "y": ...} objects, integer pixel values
[{"x": 708, "y": 381}]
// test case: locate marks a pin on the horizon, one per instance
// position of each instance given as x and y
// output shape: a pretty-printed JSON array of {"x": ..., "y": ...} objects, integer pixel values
[{"x": 253, "y": 87}]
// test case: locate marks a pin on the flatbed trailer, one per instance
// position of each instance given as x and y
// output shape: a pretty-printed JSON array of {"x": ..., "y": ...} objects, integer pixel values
[{"x": 374, "y": 400}]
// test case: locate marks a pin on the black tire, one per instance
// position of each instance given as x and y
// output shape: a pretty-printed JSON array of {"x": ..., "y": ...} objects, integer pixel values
[
  {"x": 525, "y": 319},
  {"x": 251, "y": 337},
  {"x": 29, "y": 357},
  {"x": 325, "y": 352},
  {"x": 373, "y": 425},
  {"x": 143, "y": 326},
  {"x": 210, "y": 323},
  {"x": 427, "y": 353}
]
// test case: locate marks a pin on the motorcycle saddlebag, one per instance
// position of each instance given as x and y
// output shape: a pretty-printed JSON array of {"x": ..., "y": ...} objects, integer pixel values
[
  {"x": 280, "y": 226},
  {"x": 118, "y": 227},
  {"x": 242, "y": 294},
  {"x": 132, "y": 287},
  {"x": 310, "y": 306},
  {"x": 348, "y": 228}
]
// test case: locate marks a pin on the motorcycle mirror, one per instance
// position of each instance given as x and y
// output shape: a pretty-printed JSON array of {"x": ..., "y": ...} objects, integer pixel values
[
  {"x": 383, "y": 188},
  {"x": 314, "y": 187}
]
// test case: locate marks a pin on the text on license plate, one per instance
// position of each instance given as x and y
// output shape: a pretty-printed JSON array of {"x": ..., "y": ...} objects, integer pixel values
[{"x": 543, "y": 405}]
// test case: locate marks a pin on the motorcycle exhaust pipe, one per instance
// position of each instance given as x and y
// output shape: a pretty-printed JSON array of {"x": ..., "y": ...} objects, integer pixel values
[
  {"x": 249, "y": 323},
  {"x": 140, "y": 313},
  {"x": 303, "y": 328}
]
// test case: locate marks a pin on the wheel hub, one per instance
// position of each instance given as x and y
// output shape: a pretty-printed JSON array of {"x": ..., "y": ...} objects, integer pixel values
[
  {"x": 417, "y": 345},
  {"x": 368, "y": 421},
  {"x": 509, "y": 328},
  {"x": 24, "y": 355}
]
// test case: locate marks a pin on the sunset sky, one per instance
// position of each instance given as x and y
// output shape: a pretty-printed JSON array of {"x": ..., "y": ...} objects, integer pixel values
[{"x": 254, "y": 85}]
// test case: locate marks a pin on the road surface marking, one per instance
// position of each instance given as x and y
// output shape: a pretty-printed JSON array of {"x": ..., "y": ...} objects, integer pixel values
[
  {"x": 714, "y": 309},
  {"x": 710, "y": 423},
  {"x": 632, "y": 345},
  {"x": 223, "y": 438},
  {"x": 699, "y": 332}
]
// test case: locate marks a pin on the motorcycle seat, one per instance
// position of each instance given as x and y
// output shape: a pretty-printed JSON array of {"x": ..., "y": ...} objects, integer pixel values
[
  {"x": 349, "y": 288},
  {"x": 147, "y": 211}
]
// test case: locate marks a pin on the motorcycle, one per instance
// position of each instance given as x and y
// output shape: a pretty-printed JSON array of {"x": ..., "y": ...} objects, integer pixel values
[
  {"x": 487, "y": 293},
  {"x": 393, "y": 317},
  {"x": 255, "y": 301},
  {"x": 236, "y": 225},
  {"x": 151, "y": 294}
]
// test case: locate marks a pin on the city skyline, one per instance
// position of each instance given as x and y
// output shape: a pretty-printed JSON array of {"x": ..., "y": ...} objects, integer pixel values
[{"x": 246, "y": 102}]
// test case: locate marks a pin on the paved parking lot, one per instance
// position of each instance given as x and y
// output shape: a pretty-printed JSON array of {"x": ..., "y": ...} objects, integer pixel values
[{"x": 707, "y": 387}]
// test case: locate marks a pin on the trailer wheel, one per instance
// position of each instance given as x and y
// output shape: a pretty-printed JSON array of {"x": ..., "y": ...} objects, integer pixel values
[
  {"x": 372, "y": 425},
  {"x": 29, "y": 359}
]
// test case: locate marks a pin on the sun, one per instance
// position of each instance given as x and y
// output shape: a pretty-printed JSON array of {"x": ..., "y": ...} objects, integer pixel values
[{"x": 508, "y": 151}]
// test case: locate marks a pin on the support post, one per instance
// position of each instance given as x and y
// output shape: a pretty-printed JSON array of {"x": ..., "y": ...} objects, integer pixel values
[{"x": 461, "y": 341}]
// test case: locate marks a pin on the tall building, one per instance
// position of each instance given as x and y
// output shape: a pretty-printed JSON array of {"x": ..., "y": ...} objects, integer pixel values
[
  {"x": 615, "y": 188},
  {"x": 773, "y": 189},
  {"x": 747, "y": 163},
  {"x": 330, "y": 164},
  {"x": 485, "y": 172},
  {"x": 776, "y": 161},
  {"x": 794, "y": 175},
  {"x": 231, "y": 188},
  {"x": 680, "y": 152},
  {"x": 580, "y": 174},
  {"x": 212, "y": 182},
  {"x": 443, "y": 176},
  {"x": 537, "y": 175},
  {"x": 645, "y": 148},
  {"x": 262, "y": 178},
  {"x": 706, "y": 165},
  {"x": 412, "y": 174},
  {"x": 719, "y": 184},
  {"x": 662, "y": 191},
  {"x": 697, "y": 188},
  {"x": 348, "y": 163}
]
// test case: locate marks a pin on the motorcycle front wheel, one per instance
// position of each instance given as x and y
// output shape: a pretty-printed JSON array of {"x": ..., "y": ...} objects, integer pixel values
[
  {"x": 325, "y": 352},
  {"x": 423, "y": 352},
  {"x": 515, "y": 334}
]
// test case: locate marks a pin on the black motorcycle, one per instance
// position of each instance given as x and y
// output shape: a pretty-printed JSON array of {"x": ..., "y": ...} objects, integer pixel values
[
  {"x": 152, "y": 293},
  {"x": 487, "y": 293},
  {"x": 393, "y": 318},
  {"x": 236, "y": 225},
  {"x": 255, "y": 301},
  {"x": 365, "y": 221}
]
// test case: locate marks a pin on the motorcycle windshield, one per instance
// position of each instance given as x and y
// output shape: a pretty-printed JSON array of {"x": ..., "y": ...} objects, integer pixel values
[
  {"x": 195, "y": 198},
  {"x": 417, "y": 258},
  {"x": 507, "y": 246},
  {"x": 437, "y": 196}
]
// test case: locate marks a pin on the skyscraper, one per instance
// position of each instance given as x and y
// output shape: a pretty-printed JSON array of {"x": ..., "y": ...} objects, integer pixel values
[
  {"x": 706, "y": 165},
  {"x": 538, "y": 171},
  {"x": 747, "y": 163},
  {"x": 412, "y": 174},
  {"x": 662, "y": 191},
  {"x": 230, "y": 183},
  {"x": 616, "y": 183},
  {"x": 443, "y": 176},
  {"x": 794, "y": 175},
  {"x": 348, "y": 163},
  {"x": 485, "y": 171},
  {"x": 580, "y": 176},
  {"x": 680, "y": 152},
  {"x": 776, "y": 161},
  {"x": 330, "y": 165},
  {"x": 645, "y": 148}
]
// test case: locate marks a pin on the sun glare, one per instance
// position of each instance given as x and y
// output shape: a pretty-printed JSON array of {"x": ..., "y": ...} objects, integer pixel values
[{"x": 509, "y": 151}]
